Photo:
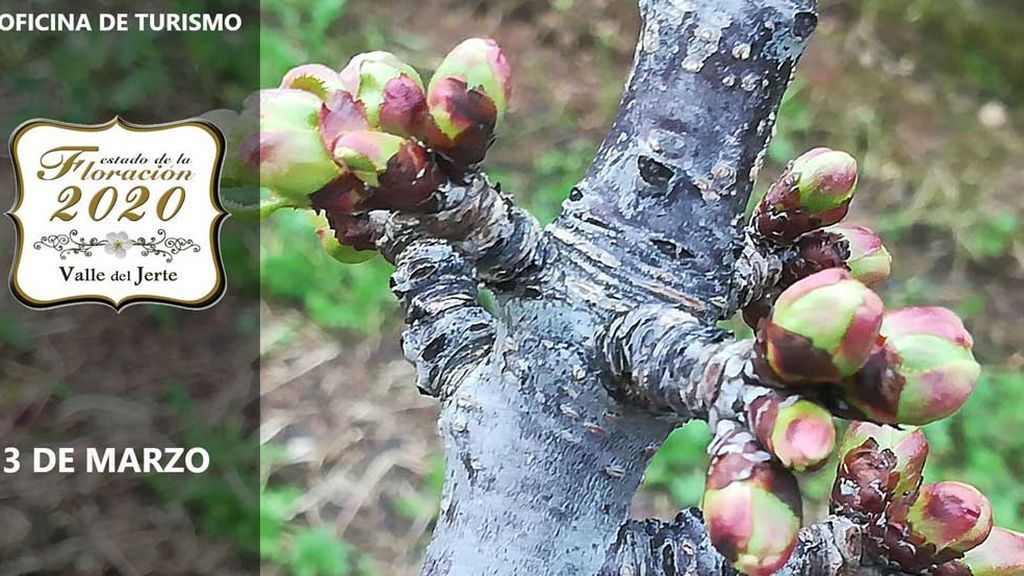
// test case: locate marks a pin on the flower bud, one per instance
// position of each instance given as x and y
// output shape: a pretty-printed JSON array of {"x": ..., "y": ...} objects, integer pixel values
[
  {"x": 468, "y": 96},
  {"x": 796, "y": 431},
  {"x": 1001, "y": 554},
  {"x": 752, "y": 506},
  {"x": 341, "y": 113},
  {"x": 390, "y": 90},
  {"x": 822, "y": 328},
  {"x": 908, "y": 445},
  {"x": 347, "y": 239},
  {"x": 868, "y": 261},
  {"x": 950, "y": 516},
  {"x": 814, "y": 191},
  {"x": 400, "y": 170},
  {"x": 865, "y": 482},
  {"x": 923, "y": 372},
  {"x": 345, "y": 194},
  {"x": 316, "y": 79},
  {"x": 854, "y": 248},
  {"x": 815, "y": 251},
  {"x": 288, "y": 150}
]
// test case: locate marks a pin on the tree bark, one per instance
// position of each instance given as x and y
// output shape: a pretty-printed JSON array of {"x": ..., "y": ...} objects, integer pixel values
[{"x": 605, "y": 338}]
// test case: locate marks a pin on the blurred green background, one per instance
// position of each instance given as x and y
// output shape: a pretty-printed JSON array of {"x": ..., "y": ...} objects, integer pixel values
[{"x": 927, "y": 94}]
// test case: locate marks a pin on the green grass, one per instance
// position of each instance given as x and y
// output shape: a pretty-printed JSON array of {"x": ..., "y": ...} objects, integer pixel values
[
  {"x": 300, "y": 549},
  {"x": 223, "y": 499}
]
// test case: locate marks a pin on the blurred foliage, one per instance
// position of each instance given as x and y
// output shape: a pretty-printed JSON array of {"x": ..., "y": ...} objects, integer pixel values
[
  {"x": 90, "y": 76},
  {"x": 975, "y": 40},
  {"x": 425, "y": 501},
  {"x": 678, "y": 468},
  {"x": 288, "y": 543},
  {"x": 975, "y": 445},
  {"x": 223, "y": 498},
  {"x": 295, "y": 267}
]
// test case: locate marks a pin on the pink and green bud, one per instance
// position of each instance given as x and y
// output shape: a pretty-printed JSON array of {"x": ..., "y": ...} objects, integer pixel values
[
  {"x": 949, "y": 516},
  {"x": 924, "y": 371},
  {"x": 390, "y": 91},
  {"x": 468, "y": 97},
  {"x": 868, "y": 261},
  {"x": 1001, "y": 554},
  {"x": 798, "y": 432},
  {"x": 341, "y": 113},
  {"x": 401, "y": 172},
  {"x": 854, "y": 248},
  {"x": 288, "y": 151},
  {"x": 316, "y": 79},
  {"x": 752, "y": 506},
  {"x": 814, "y": 191},
  {"x": 822, "y": 328},
  {"x": 908, "y": 445}
]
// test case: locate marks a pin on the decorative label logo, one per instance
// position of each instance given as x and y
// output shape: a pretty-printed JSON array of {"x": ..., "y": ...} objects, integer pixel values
[{"x": 117, "y": 213}]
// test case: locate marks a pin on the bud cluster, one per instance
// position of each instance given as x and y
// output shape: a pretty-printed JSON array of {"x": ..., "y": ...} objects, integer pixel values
[
  {"x": 815, "y": 191},
  {"x": 913, "y": 526},
  {"x": 370, "y": 136},
  {"x": 828, "y": 333}
]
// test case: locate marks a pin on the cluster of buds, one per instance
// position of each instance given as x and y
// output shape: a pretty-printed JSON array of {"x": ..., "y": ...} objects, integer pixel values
[
  {"x": 823, "y": 334},
  {"x": 370, "y": 137},
  {"x": 752, "y": 504},
  {"x": 814, "y": 192},
  {"x": 913, "y": 526},
  {"x": 829, "y": 332}
]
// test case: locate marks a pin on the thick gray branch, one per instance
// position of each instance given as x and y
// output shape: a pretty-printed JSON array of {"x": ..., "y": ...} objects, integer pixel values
[
  {"x": 448, "y": 332},
  {"x": 477, "y": 236},
  {"x": 542, "y": 461},
  {"x": 667, "y": 361},
  {"x": 661, "y": 208},
  {"x": 505, "y": 243}
]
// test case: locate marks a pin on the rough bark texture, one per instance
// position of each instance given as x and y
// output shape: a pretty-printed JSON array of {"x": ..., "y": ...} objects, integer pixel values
[
  {"x": 654, "y": 548},
  {"x": 605, "y": 338}
]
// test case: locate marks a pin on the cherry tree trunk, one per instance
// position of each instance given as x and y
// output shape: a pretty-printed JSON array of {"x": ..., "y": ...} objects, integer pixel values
[{"x": 546, "y": 440}]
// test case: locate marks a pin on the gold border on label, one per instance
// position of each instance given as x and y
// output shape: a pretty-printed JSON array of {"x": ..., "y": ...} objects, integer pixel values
[{"x": 205, "y": 301}]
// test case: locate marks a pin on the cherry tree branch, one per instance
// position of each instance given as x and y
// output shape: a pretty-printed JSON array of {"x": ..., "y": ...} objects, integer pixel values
[
  {"x": 504, "y": 243},
  {"x": 667, "y": 190},
  {"x": 831, "y": 547},
  {"x": 545, "y": 443}
]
